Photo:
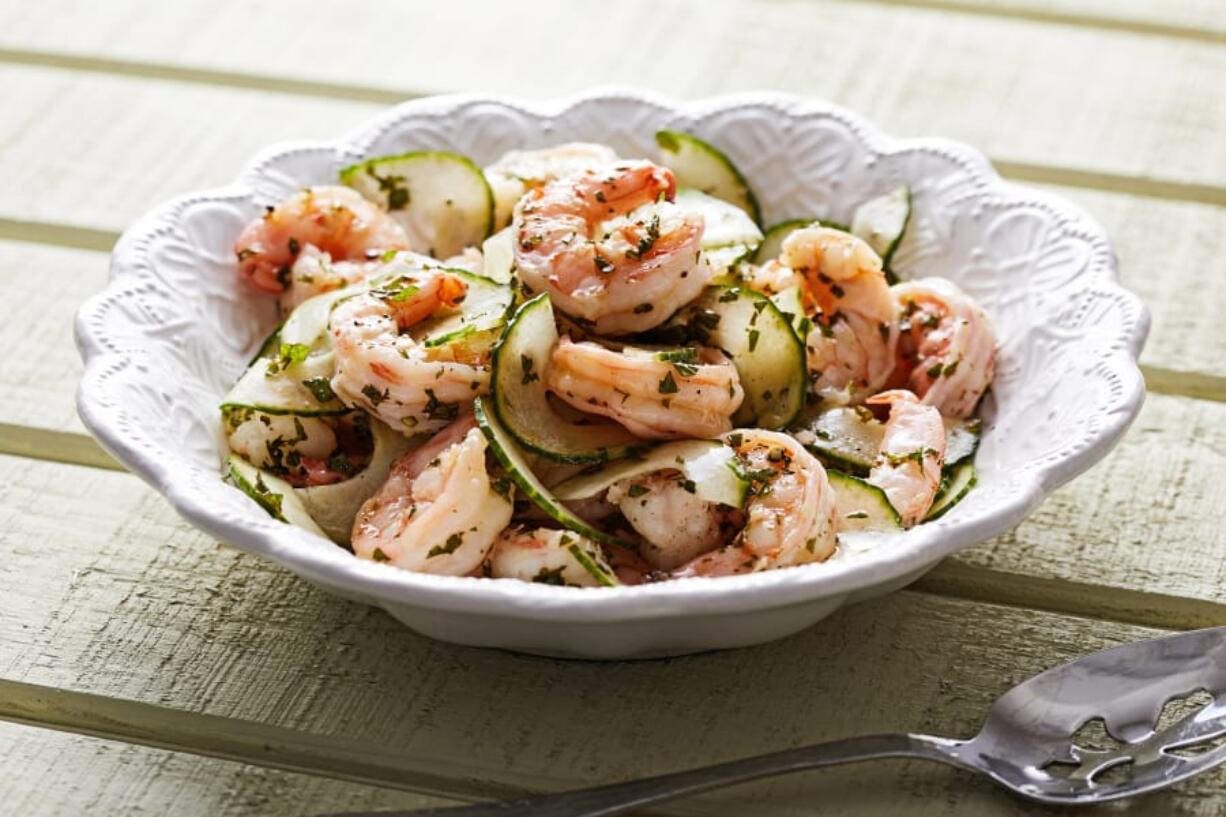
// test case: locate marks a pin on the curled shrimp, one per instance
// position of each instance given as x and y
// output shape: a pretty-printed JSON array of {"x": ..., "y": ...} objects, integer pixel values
[
  {"x": 691, "y": 392},
  {"x": 908, "y": 466},
  {"x": 547, "y": 557},
  {"x": 519, "y": 171},
  {"x": 610, "y": 247},
  {"x": 381, "y": 368},
  {"x": 438, "y": 511},
  {"x": 790, "y": 516},
  {"x": 852, "y": 345},
  {"x": 335, "y": 219},
  {"x": 947, "y": 345},
  {"x": 676, "y": 525}
]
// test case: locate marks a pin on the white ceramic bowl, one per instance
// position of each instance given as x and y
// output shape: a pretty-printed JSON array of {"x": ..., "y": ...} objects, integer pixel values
[{"x": 175, "y": 327}]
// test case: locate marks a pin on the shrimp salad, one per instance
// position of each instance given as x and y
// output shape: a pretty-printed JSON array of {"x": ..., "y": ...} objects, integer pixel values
[{"x": 577, "y": 368}]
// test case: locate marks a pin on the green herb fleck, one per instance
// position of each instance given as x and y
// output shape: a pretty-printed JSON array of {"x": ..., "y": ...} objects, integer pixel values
[
  {"x": 453, "y": 542},
  {"x": 320, "y": 388},
  {"x": 438, "y": 410},
  {"x": 527, "y": 363},
  {"x": 374, "y": 395}
]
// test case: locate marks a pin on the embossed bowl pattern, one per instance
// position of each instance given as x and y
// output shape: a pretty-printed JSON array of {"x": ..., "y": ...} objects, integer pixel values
[{"x": 175, "y": 327}]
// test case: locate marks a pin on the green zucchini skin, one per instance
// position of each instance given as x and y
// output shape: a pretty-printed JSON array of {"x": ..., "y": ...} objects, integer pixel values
[
  {"x": 956, "y": 484},
  {"x": 699, "y": 164},
  {"x": 882, "y": 222},
  {"x": 273, "y": 494},
  {"x": 512, "y": 458},
  {"x": 760, "y": 340},
  {"x": 862, "y": 506},
  {"x": 520, "y": 402}
]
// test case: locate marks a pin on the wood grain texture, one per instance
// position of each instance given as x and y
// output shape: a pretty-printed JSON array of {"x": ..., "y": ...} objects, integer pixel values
[
  {"x": 1040, "y": 94},
  {"x": 178, "y": 632},
  {"x": 52, "y": 774},
  {"x": 100, "y": 181},
  {"x": 1147, "y": 517},
  {"x": 1200, "y": 20}
]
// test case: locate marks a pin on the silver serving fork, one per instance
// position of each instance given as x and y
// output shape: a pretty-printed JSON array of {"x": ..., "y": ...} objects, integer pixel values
[{"x": 1035, "y": 740}]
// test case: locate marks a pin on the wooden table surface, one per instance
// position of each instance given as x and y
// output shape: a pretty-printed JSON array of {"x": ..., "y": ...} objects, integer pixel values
[{"x": 145, "y": 668}]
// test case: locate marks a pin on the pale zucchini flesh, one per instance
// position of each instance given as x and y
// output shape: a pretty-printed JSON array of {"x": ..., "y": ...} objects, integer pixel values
[
  {"x": 724, "y": 222},
  {"x": 284, "y": 385},
  {"x": 790, "y": 303},
  {"x": 845, "y": 438},
  {"x": 307, "y": 325},
  {"x": 273, "y": 494},
  {"x": 699, "y": 164},
  {"x": 861, "y": 506},
  {"x": 769, "y": 358},
  {"x": 441, "y": 199},
  {"x": 709, "y": 466},
  {"x": 521, "y": 402},
  {"x": 961, "y": 439},
  {"x": 729, "y": 237},
  {"x": 882, "y": 223},
  {"x": 513, "y": 459},
  {"x": 498, "y": 256}
]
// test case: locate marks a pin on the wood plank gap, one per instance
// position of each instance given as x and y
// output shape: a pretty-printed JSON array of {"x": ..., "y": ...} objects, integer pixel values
[
  {"x": 1014, "y": 170},
  {"x": 59, "y": 235},
  {"x": 233, "y": 739},
  {"x": 1112, "y": 182},
  {"x": 973, "y": 583},
  {"x": 258, "y": 744},
  {"x": 54, "y": 446},
  {"x": 1196, "y": 385},
  {"x": 1033, "y": 15},
  {"x": 204, "y": 76}
]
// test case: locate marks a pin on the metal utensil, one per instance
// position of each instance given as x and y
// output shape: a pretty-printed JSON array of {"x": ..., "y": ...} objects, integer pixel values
[{"x": 1038, "y": 739}]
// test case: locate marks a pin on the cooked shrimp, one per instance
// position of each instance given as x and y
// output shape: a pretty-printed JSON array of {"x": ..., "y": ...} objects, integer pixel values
[
  {"x": 609, "y": 249},
  {"x": 770, "y": 277},
  {"x": 519, "y": 171},
  {"x": 947, "y": 343},
  {"x": 676, "y": 525},
  {"x": 851, "y": 348},
  {"x": 438, "y": 514},
  {"x": 912, "y": 452},
  {"x": 335, "y": 219},
  {"x": 283, "y": 444},
  {"x": 383, "y": 369},
  {"x": 790, "y": 517},
  {"x": 690, "y": 392},
  {"x": 546, "y": 557},
  {"x": 314, "y": 273}
]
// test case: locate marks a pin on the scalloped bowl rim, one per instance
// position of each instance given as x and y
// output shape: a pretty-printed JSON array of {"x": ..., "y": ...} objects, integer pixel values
[{"x": 894, "y": 559}]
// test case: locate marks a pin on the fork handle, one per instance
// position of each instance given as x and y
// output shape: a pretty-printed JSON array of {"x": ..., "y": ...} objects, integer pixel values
[{"x": 618, "y": 798}]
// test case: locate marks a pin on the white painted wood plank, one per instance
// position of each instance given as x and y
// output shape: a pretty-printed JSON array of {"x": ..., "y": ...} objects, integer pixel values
[
  {"x": 133, "y": 606},
  {"x": 1165, "y": 248},
  {"x": 54, "y": 774},
  {"x": 1039, "y": 94},
  {"x": 1194, "y": 19}
]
